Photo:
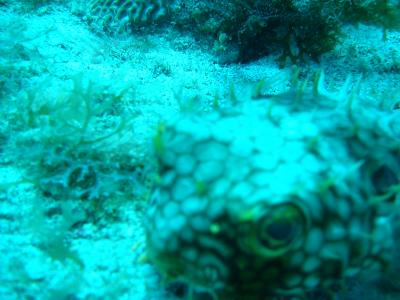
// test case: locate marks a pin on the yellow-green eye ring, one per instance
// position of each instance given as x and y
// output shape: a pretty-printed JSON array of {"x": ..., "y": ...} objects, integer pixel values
[
  {"x": 276, "y": 230},
  {"x": 280, "y": 226}
]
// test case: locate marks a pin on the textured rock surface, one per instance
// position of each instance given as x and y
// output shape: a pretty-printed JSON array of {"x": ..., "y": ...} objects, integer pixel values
[
  {"x": 247, "y": 30},
  {"x": 275, "y": 197}
]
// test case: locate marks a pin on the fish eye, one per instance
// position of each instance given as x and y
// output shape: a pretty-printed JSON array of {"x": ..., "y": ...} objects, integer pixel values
[
  {"x": 281, "y": 231},
  {"x": 275, "y": 230},
  {"x": 280, "y": 226}
]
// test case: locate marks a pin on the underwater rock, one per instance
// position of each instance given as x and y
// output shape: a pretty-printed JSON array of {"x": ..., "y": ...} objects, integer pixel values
[{"x": 244, "y": 31}]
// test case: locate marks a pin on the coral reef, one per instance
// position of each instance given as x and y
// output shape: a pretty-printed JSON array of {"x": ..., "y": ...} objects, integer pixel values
[
  {"x": 281, "y": 195},
  {"x": 299, "y": 30}
]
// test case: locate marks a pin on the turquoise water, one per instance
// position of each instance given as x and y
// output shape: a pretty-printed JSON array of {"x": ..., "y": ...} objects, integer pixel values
[{"x": 199, "y": 150}]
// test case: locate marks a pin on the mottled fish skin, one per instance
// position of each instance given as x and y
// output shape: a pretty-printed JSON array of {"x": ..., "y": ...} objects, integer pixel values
[
  {"x": 275, "y": 197},
  {"x": 124, "y": 16}
]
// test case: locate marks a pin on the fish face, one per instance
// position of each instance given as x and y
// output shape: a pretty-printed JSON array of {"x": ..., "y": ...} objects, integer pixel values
[{"x": 250, "y": 208}]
